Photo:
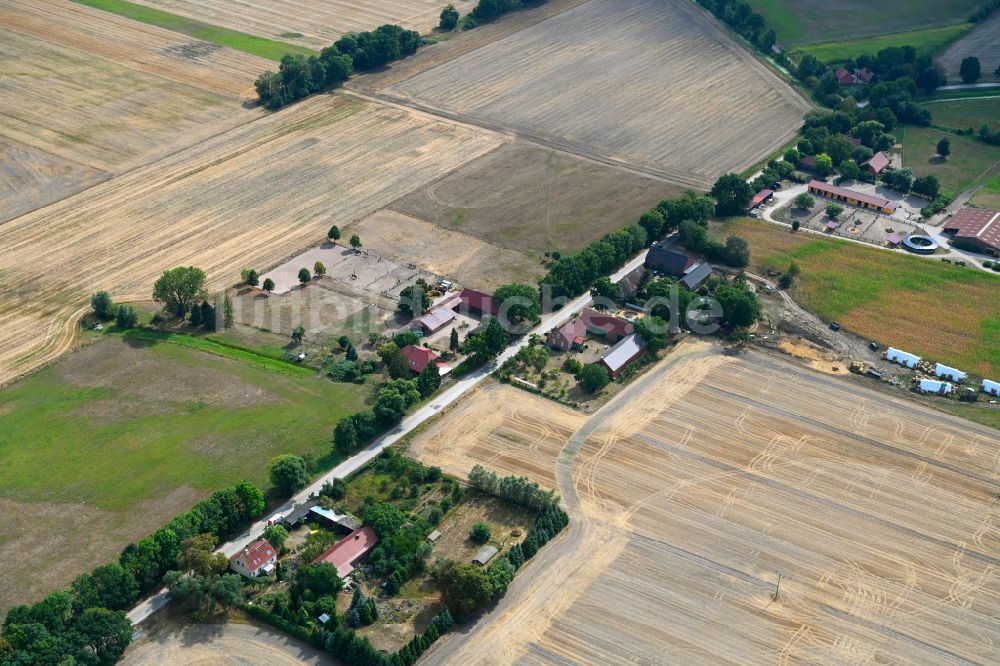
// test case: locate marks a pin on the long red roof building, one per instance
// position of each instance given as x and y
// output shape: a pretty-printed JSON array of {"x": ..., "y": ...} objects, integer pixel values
[{"x": 349, "y": 551}]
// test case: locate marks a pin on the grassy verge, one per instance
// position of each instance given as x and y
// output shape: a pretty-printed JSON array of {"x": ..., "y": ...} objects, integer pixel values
[
  {"x": 927, "y": 42},
  {"x": 218, "y": 348},
  {"x": 943, "y": 95},
  {"x": 943, "y": 312},
  {"x": 258, "y": 46},
  {"x": 969, "y": 161},
  {"x": 989, "y": 196}
]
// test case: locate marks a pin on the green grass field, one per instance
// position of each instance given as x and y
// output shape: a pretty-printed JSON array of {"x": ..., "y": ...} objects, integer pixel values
[
  {"x": 258, "y": 46},
  {"x": 940, "y": 311},
  {"x": 800, "y": 22},
  {"x": 963, "y": 113},
  {"x": 927, "y": 42},
  {"x": 126, "y": 420},
  {"x": 989, "y": 196},
  {"x": 969, "y": 161}
]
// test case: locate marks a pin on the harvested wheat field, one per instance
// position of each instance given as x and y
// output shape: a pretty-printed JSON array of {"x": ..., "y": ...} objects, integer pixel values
[
  {"x": 505, "y": 429},
  {"x": 709, "y": 477},
  {"x": 249, "y": 197},
  {"x": 645, "y": 82},
  {"x": 535, "y": 200},
  {"x": 31, "y": 178},
  {"x": 311, "y": 23},
  {"x": 982, "y": 42},
  {"x": 88, "y": 94},
  {"x": 138, "y": 46}
]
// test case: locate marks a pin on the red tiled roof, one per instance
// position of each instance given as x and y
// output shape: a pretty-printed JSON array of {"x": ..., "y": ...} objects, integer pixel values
[
  {"x": 844, "y": 77},
  {"x": 477, "y": 300},
  {"x": 878, "y": 162},
  {"x": 604, "y": 324},
  {"x": 761, "y": 196},
  {"x": 255, "y": 555},
  {"x": 979, "y": 224},
  {"x": 345, "y": 553},
  {"x": 572, "y": 329},
  {"x": 418, "y": 357}
]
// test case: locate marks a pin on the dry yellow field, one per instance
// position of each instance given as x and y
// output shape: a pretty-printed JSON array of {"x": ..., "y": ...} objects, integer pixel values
[
  {"x": 312, "y": 23},
  {"x": 144, "y": 48},
  {"x": 648, "y": 83},
  {"x": 709, "y": 477},
  {"x": 249, "y": 197}
]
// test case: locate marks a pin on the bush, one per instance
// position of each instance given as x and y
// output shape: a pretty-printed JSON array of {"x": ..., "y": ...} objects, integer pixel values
[
  {"x": 805, "y": 201},
  {"x": 125, "y": 316},
  {"x": 449, "y": 18},
  {"x": 594, "y": 377},
  {"x": 480, "y": 532}
]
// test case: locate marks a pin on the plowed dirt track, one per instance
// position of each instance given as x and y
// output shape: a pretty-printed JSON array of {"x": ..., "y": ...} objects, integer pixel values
[{"x": 690, "y": 493}]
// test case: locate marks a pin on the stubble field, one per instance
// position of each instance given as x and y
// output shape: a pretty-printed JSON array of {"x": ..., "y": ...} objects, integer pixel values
[
  {"x": 533, "y": 200},
  {"x": 249, "y": 197},
  {"x": 982, "y": 42},
  {"x": 648, "y": 83},
  {"x": 692, "y": 491},
  {"x": 311, "y": 23}
]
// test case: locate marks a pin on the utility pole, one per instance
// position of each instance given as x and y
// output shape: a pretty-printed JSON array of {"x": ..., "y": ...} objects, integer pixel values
[{"x": 777, "y": 589}]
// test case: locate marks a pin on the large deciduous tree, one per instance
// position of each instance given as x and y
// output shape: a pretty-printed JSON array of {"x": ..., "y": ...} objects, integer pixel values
[{"x": 179, "y": 289}]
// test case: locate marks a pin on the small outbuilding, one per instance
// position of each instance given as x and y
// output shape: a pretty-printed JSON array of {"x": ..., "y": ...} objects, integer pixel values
[
  {"x": 434, "y": 536},
  {"x": 484, "y": 555},
  {"x": 877, "y": 163},
  {"x": 943, "y": 371},
  {"x": 760, "y": 198},
  {"x": 696, "y": 276},
  {"x": 935, "y": 386},
  {"x": 901, "y": 357}
]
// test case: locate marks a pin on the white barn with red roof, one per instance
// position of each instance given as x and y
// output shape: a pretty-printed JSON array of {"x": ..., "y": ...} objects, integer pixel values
[{"x": 256, "y": 559}]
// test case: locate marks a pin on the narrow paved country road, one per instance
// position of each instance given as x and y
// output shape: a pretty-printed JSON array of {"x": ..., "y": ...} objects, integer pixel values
[{"x": 149, "y": 606}]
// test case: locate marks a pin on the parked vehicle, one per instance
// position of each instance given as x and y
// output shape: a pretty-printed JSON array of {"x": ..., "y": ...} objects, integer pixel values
[{"x": 834, "y": 326}]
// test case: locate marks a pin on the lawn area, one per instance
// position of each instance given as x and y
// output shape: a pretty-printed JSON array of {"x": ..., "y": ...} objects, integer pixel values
[
  {"x": 927, "y": 42},
  {"x": 942, "y": 312},
  {"x": 127, "y": 420},
  {"x": 963, "y": 113},
  {"x": 989, "y": 196},
  {"x": 969, "y": 159},
  {"x": 814, "y": 21},
  {"x": 258, "y": 46}
]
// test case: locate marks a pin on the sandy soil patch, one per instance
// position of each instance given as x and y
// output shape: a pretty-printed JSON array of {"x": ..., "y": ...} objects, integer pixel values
[
  {"x": 641, "y": 82},
  {"x": 458, "y": 256},
  {"x": 710, "y": 476},
  {"x": 312, "y": 23},
  {"x": 243, "y": 198},
  {"x": 816, "y": 358},
  {"x": 173, "y": 641},
  {"x": 535, "y": 200}
]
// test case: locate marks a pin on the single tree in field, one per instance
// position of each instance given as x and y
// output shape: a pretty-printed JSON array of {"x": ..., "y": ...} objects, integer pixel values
[
  {"x": 453, "y": 343},
  {"x": 268, "y": 285},
  {"x": 944, "y": 147},
  {"x": 834, "y": 210},
  {"x": 298, "y": 333},
  {"x": 319, "y": 269},
  {"x": 304, "y": 275},
  {"x": 103, "y": 307},
  {"x": 449, "y": 18},
  {"x": 334, "y": 233},
  {"x": 289, "y": 473},
  {"x": 805, "y": 201},
  {"x": 180, "y": 288},
  {"x": 970, "y": 70},
  {"x": 356, "y": 241}
]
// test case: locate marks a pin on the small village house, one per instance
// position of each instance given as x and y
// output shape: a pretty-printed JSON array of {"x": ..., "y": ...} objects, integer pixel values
[
  {"x": 419, "y": 357},
  {"x": 259, "y": 558},
  {"x": 629, "y": 285},
  {"x": 570, "y": 335},
  {"x": 877, "y": 163}
]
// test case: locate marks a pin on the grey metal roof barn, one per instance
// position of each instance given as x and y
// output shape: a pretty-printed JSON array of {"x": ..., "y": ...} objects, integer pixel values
[
  {"x": 695, "y": 276},
  {"x": 484, "y": 555},
  {"x": 627, "y": 350}
]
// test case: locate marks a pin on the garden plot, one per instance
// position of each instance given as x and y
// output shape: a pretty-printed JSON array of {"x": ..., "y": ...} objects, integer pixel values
[
  {"x": 648, "y": 83},
  {"x": 243, "y": 198}
]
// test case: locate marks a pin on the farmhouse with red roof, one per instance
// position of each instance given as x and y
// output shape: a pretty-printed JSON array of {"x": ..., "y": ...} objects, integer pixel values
[
  {"x": 349, "y": 551},
  {"x": 256, "y": 559},
  {"x": 419, "y": 357}
]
